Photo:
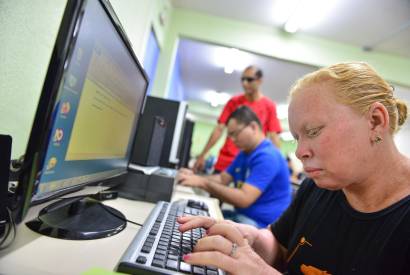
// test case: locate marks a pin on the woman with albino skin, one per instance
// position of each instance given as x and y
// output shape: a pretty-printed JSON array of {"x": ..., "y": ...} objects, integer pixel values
[{"x": 352, "y": 213}]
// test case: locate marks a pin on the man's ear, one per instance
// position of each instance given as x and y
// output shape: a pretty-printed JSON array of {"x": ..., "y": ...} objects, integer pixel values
[
  {"x": 254, "y": 125},
  {"x": 378, "y": 117}
]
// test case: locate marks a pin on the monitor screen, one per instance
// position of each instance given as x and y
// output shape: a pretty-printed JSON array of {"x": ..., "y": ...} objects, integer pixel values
[{"x": 89, "y": 107}]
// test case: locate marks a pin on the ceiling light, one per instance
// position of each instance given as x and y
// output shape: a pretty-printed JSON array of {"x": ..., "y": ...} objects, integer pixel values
[
  {"x": 216, "y": 98},
  {"x": 228, "y": 70},
  {"x": 303, "y": 13},
  {"x": 231, "y": 59}
]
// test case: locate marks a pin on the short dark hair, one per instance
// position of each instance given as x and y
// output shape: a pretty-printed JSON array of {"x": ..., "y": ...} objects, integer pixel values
[
  {"x": 258, "y": 71},
  {"x": 244, "y": 115}
]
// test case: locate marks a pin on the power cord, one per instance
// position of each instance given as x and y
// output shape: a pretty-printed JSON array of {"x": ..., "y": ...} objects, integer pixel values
[
  {"x": 10, "y": 225},
  {"x": 117, "y": 216},
  {"x": 101, "y": 196}
]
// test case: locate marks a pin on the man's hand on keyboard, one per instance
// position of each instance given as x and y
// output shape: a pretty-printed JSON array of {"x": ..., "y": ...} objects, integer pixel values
[
  {"x": 188, "y": 178},
  {"x": 225, "y": 247}
]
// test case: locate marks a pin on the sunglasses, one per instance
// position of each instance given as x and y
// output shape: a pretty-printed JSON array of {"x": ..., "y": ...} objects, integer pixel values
[{"x": 248, "y": 79}]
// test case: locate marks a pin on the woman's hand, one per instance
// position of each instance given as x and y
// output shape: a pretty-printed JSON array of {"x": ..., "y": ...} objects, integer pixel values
[
  {"x": 225, "y": 247},
  {"x": 190, "y": 222}
]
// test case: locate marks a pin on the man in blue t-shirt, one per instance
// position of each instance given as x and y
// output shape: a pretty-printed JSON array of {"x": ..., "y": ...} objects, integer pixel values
[{"x": 259, "y": 172}]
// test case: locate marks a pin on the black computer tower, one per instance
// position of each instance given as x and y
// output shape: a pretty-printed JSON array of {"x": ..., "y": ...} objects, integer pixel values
[
  {"x": 186, "y": 143},
  {"x": 149, "y": 141},
  {"x": 173, "y": 114},
  {"x": 5, "y": 155}
]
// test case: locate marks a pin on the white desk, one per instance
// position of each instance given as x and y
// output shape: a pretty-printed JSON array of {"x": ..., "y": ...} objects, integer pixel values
[{"x": 32, "y": 253}]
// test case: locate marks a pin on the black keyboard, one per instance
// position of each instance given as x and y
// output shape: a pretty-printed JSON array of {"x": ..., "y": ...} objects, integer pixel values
[{"x": 158, "y": 246}]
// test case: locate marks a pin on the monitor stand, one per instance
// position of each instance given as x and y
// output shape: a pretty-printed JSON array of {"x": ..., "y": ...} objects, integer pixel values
[{"x": 78, "y": 218}]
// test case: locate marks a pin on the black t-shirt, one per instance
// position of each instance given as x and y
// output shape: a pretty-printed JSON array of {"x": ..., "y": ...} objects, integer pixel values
[{"x": 341, "y": 240}]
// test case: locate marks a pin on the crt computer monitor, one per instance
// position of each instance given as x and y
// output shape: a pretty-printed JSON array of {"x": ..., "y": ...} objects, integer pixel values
[{"x": 84, "y": 125}]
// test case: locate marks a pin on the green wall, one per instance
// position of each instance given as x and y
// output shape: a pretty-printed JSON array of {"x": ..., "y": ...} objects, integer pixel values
[
  {"x": 201, "y": 134},
  {"x": 28, "y": 32}
]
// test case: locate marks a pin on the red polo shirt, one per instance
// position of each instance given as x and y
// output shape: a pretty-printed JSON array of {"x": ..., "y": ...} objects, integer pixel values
[{"x": 264, "y": 108}]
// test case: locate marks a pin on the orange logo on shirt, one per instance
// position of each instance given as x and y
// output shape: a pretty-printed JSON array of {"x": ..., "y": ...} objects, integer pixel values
[
  {"x": 311, "y": 270},
  {"x": 306, "y": 269}
]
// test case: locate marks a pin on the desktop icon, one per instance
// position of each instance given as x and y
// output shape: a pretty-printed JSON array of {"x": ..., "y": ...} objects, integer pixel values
[
  {"x": 58, "y": 135},
  {"x": 65, "y": 108},
  {"x": 80, "y": 54},
  {"x": 52, "y": 163},
  {"x": 72, "y": 80}
]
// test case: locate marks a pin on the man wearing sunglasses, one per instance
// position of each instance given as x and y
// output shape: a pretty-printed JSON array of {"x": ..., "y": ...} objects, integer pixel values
[
  {"x": 252, "y": 97},
  {"x": 259, "y": 173}
]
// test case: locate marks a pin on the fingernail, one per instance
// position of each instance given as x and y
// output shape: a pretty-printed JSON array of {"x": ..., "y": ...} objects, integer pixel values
[{"x": 186, "y": 257}]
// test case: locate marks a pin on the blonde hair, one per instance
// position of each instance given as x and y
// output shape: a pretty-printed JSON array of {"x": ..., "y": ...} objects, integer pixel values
[{"x": 358, "y": 86}]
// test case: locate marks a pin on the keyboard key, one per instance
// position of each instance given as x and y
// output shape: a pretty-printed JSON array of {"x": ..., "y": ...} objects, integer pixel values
[
  {"x": 146, "y": 249},
  {"x": 164, "y": 243},
  {"x": 148, "y": 243},
  {"x": 172, "y": 264},
  {"x": 173, "y": 257},
  {"x": 141, "y": 260},
  {"x": 198, "y": 270},
  {"x": 162, "y": 252},
  {"x": 157, "y": 263},
  {"x": 160, "y": 257},
  {"x": 184, "y": 267}
]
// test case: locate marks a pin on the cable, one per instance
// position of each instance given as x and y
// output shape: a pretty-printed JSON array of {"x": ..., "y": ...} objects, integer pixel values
[
  {"x": 11, "y": 226},
  {"x": 117, "y": 216},
  {"x": 104, "y": 207}
]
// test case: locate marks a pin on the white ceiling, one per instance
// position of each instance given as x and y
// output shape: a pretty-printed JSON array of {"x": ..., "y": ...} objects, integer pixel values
[{"x": 382, "y": 24}]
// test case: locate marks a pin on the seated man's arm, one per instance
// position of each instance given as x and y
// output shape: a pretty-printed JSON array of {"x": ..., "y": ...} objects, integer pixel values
[
  {"x": 240, "y": 197},
  {"x": 222, "y": 178},
  {"x": 217, "y": 186},
  {"x": 188, "y": 178}
]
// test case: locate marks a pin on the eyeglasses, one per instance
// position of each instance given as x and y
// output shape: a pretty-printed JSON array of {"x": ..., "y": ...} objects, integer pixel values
[
  {"x": 248, "y": 79},
  {"x": 235, "y": 134}
]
